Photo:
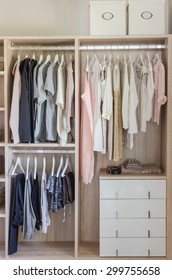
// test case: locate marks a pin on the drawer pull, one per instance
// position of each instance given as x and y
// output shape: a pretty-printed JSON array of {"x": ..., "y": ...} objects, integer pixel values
[
  {"x": 148, "y": 214},
  {"x": 148, "y": 195},
  {"x": 116, "y": 252},
  {"x": 149, "y": 253},
  {"x": 116, "y": 214},
  {"x": 148, "y": 233},
  {"x": 116, "y": 233}
]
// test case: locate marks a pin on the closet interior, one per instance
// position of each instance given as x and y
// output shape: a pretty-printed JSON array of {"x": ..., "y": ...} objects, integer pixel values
[{"x": 79, "y": 235}]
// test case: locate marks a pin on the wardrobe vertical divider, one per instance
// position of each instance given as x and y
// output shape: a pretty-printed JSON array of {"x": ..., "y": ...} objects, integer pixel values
[{"x": 62, "y": 238}]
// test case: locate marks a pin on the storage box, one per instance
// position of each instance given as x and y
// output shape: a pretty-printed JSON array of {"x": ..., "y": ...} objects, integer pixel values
[
  {"x": 108, "y": 17},
  {"x": 146, "y": 17}
]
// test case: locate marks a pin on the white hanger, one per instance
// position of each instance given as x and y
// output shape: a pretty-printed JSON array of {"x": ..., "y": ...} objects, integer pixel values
[
  {"x": 65, "y": 167},
  {"x": 148, "y": 56},
  {"x": 53, "y": 166},
  {"x": 60, "y": 166},
  {"x": 18, "y": 56},
  {"x": 44, "y": 167},
  {"x": 26, "y": 56},
  {"x": 48, "y": 58},
  {"x": 35, "y": 168},
  {"x": 56, "y": 58},
  {"x": 27, "y": 168},
  {"x": 62, "y": 59},
  {"x": 18, "y": 163},
  {"x": 33, "y": 56},
  {"x": 41, "y": 57},
  {"x": 87, "y": 64}
]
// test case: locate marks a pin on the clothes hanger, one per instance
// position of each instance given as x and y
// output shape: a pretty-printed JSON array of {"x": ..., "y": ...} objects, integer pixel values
[
  {"x": 60, "y": 166},
  {"x": 53, "y": 166},
  {"x": 33, "y": 56},
  {"x": 62, "y": 59},
  {"x": 44, "y": 168},
  {"x": 41, "y": 57},
  {"x": 87, "y": 64},
  {"x": 65, "y": 167},
  {"x": 48, "y": 58},
  {"x": 35, "y": 168},
  {"x": 27, "y": 168},
  {"x": 18, "y": 163},
  {"x": 18, "y": 56},
  {"x": 56, "y": 58}
]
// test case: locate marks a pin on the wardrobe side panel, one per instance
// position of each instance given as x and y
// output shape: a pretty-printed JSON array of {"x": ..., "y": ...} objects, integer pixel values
[{"x": 168, "y": 150}]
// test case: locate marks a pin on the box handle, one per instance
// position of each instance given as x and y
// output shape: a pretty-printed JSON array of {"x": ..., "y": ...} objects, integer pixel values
[
  {"x": 146, "y": 15},
  {"x": 107, "y": 16}
]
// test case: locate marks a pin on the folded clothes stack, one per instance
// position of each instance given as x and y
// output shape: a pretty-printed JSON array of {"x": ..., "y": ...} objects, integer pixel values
[{"x": 132, "y": 166}]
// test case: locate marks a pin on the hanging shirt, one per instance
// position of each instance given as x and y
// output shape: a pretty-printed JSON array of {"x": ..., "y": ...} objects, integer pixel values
[
  {"x": 16, "y": 93},
  {"x": 96, "y": 106},
  {"x": 40, "y": 114},
  {"x": 32, "y": 65},
  {"x": 29, "y": 219},
  {"x": 133, "y": 103},
  {"x": 150, "y": 91},
  {"x": 107, "y": 109},
  {"x": 86, "y": 148},
  {"x": 24, "y": 114},
  {"x": 144, "y": 97},
  {"x": 44, "y": 205},
  {"x": 35, "y": 196},
  {"x": 160, "y": 98},
  {"x": 125, "y": 95},
  {"x": 61, "y": 102},
  {"x": 117, "y": 115},
  {"x": 51, "y": 108},
  {"x": 103, "y": 74},
  {"x": 69, "y": 96}
]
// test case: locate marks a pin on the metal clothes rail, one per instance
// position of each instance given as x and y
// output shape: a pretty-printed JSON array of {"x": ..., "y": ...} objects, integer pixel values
[{"x": 42, "y": 151}]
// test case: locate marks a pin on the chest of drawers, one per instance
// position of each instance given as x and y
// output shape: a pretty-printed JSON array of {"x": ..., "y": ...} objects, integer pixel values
[{"x": 132, "y": 217}]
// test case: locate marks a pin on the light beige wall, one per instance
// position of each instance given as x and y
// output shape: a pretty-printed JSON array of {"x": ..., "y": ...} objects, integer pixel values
[{"x": 48, "y": 17}]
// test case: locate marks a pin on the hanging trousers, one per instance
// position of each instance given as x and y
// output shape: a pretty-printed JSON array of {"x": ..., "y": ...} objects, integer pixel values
[{"x": 16, "y": 215}]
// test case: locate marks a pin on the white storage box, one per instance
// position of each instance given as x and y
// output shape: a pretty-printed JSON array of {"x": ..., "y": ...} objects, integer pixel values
[
  {"x": 108, "y": 17},
  {"x": 146, "y": 17}
]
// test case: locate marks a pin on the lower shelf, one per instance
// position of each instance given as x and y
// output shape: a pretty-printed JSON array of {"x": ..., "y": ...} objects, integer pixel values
[{"x": 44, "y": 250}]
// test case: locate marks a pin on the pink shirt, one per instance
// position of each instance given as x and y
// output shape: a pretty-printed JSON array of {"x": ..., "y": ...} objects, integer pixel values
[
  {"x": 86, "y": 141},
  {"x": 159, "y": 95},
  {"x": 16, "y": 93}
]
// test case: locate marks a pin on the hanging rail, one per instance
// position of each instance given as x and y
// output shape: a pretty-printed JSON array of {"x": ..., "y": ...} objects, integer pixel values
[
  {"x": 42, "y": 48},
  {"x": 124, "y": 47},
  {"x": 43, "y": 151}
]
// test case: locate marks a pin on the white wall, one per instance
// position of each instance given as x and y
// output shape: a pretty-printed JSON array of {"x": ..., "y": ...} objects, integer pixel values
[{"x": 47, "y": 17}]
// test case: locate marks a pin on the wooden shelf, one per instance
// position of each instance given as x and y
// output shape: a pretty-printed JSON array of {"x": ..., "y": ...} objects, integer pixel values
[
  {"x": 2, "y": 73},
  {"x": 41, "y": 145},
  {"x": 2, "y": 144},
  {"x": 2, "y": 109},
  {"x": 44, "y": 250}
]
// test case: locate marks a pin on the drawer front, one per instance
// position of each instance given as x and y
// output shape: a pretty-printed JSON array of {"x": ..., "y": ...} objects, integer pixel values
[
  {"x": 119, "y": 189},
  {"x": 123, "y": 228},
  {"x": 148, "y": 208},
  {"x": 133, "y": 247}
]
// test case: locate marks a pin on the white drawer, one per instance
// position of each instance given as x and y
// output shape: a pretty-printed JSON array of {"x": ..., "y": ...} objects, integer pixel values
[
  {"x": 148, "y": 208},
  {"x": 133, "y": 247},
  {"x": 121, "y": 228},
  {"x": 118, "y": 189}
]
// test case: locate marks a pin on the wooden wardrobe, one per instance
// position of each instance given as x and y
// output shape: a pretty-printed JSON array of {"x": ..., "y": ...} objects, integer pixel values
[{"x": 79, "y": 236}]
